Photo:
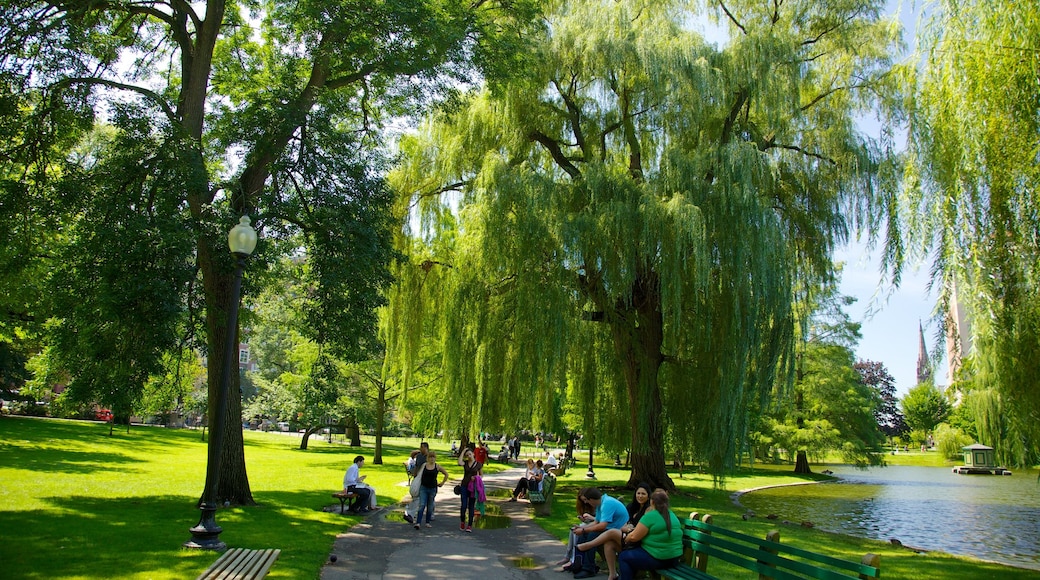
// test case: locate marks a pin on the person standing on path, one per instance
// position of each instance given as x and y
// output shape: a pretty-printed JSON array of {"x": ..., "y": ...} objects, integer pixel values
[
  {"x": 420, "y": 460},
  {"x": 470, "y": 468},
  {"x": 428, "y": 488}
]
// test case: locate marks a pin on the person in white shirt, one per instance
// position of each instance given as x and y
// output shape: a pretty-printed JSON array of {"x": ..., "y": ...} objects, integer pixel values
[
  {"x": 551, "y": 462},
  {"x": 355, "y": 482}
]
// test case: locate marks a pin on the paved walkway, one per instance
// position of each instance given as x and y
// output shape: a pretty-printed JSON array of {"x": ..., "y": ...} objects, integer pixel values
[{"x": 388, "y": 549}]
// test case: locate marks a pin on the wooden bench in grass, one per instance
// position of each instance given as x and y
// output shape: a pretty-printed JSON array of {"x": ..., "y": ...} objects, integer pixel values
[
  {"x": 542, "y": 500},
  {"x": 240, "y": 564},
  {"x": 344, "y": 497},
  {"x": 768, "y": 557}
]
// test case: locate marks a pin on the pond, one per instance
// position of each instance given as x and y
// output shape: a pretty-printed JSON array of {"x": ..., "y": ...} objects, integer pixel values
[{"x": 989, "y": 517}]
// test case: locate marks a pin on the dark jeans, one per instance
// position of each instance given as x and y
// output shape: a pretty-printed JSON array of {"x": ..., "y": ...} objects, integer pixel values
[
  {"x": 469, "y": 502},
  {"x": 588, "y": 559},
  {"x": 363, "y": 499},
  {"x": 635, "y": 559}
]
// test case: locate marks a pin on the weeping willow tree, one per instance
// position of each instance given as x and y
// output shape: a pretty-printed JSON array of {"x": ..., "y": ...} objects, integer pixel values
[
  {"x": 623, "y": 221},
  {"x": 974, "y": 190}
]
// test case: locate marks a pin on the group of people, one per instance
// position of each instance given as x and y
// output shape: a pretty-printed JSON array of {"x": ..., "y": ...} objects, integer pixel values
[
  {"x": 423, "y": 489},
  {"x": 644, "y": 535}
]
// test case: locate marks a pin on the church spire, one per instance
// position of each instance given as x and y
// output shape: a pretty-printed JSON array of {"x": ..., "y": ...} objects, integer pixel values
[{"x": 924, "y": 367}]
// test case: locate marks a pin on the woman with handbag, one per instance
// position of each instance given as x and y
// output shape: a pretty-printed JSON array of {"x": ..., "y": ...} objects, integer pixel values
[
  {"x": 470, "y": 468},
  {"x": 427, "y": 476}
]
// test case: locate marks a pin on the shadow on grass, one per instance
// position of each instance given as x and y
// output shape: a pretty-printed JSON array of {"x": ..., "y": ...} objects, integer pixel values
[{"x": 143, "y": 536}]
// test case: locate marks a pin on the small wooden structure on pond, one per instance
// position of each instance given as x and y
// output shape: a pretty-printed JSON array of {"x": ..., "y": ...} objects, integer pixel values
[{"x": 980, "y": 459}]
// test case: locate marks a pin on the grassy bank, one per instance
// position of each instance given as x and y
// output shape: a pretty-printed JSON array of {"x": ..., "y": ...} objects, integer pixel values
[{"x": 76, "y": 503}]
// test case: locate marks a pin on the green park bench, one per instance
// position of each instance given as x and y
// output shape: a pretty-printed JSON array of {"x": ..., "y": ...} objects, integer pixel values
[
  {"x": 542, "y": 500},
  {"x": 768, "y": 557},
  {"x": 241, "y": 564}
]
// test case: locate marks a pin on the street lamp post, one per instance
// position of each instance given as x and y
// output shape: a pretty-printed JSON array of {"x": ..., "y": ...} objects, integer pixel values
[
  {"x": 206, "y": 534},
  {"x": 590, "y": 474}
]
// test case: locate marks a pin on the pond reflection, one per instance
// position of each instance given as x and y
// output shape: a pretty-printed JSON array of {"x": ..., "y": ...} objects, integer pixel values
[{"x": 986, "y": 516}]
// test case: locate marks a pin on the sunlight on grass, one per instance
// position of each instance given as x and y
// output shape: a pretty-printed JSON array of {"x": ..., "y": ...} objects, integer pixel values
[{"x": 87, "y": 505}]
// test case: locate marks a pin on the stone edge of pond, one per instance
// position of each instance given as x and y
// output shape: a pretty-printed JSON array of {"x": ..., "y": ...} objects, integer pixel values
[{"x": 735, "y": 496}]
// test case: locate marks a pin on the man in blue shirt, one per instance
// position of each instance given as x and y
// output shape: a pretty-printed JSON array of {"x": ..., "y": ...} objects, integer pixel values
[{"x": 610, "y": 514}]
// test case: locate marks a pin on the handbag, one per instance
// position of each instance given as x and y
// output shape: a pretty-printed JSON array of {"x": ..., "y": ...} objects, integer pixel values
[
  {"x": 413, "y": 488},
  {"x": 458, "y": 490}
]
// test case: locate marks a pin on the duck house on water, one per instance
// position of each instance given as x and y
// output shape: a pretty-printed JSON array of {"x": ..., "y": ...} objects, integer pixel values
[{"x": 980, "y": 459}]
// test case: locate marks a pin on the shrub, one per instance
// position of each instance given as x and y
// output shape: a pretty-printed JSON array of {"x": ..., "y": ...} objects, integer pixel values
[{"x": 950, "y": 440}]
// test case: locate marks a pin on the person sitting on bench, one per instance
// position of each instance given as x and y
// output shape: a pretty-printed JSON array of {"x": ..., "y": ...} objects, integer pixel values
[{"x": 353, "y": 481}]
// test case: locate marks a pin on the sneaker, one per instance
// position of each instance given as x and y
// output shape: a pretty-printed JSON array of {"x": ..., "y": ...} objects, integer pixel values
[
  {"x": 417, "y": 526},
  {"x": 462, "y": 525},
  {"x": 469, "y": 529},
  {"x": 429, "y": 525},
  {"x": 512, "y": 498}
]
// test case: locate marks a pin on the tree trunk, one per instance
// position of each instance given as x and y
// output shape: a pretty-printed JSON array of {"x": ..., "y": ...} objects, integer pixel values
[
  {"x": 233, "y": 486},
  {"x": 801, "y": 465},
  {"x": 638, "y": 336},
  {"x": 307, "y": 436},
  {"x": 353, "y": 432},
  {"x": 377, "y": 458}
]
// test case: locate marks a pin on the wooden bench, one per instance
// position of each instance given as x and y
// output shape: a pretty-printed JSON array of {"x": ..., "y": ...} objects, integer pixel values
[
  {"x": 542, "y": 500},
  {"x": 768, "y": 557},
  {"x": 344, "y": 497},
  {"x": 240, "y": 564}
]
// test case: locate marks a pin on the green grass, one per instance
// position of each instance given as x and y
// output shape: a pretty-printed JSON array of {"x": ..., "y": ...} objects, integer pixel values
[
  {"x": 696, "y": 494},
  {"x": 76, "y": 503}
]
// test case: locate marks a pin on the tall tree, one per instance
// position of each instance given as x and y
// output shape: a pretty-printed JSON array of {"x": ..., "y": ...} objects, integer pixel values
[
  {"x": 223, "y": 107},
  {"x": 630, "y": 215},
  {"x": 925, "y": 407},
  {"x": 975, "y": 188},
  {"x": 829, "y": 407}
]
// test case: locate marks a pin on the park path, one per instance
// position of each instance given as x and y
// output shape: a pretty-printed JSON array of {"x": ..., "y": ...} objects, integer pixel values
[{"x": 381, "y": 548}]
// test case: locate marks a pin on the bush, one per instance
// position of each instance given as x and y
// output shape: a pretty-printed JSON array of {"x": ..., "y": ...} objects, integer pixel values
[{"x": 950, "y": 440}]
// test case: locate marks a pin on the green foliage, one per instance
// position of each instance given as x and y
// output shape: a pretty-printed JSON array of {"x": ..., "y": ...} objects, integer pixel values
[
  {"x": 830, "y": 407},
  {"x": 925, "y": 407},
  {"x": 950, "y": 440},
  {"x": 972, "y": 189},
  {"x": 633, "y": 178}
]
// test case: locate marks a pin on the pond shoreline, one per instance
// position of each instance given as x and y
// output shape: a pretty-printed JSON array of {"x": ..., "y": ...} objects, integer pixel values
[{"x": 913, "y": 506}]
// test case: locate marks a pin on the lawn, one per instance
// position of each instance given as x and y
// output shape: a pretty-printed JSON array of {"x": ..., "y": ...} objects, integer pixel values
[{"x": 77, "y": 503}]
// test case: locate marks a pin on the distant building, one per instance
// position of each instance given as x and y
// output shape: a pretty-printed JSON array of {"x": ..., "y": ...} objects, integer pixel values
[
  {"x": 924, "y": 366},
  {"x": 958, "y": 334}
]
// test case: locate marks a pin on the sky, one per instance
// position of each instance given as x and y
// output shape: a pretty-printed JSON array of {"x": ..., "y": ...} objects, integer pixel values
[{"x": 891, "y": 318}]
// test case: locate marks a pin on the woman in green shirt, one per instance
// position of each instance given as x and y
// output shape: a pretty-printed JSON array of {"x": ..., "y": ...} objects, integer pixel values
[{"x": 659, "y": 534}]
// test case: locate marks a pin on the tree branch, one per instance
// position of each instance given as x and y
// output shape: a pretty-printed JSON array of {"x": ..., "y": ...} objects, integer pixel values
[
  {"x": 151, "y": 95},
  {"x": 557, "y": 153},
  {"x": 732, "y": 18}
]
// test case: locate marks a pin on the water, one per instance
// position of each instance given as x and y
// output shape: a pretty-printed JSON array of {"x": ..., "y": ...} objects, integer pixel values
[{"x": 985, "y": 516}]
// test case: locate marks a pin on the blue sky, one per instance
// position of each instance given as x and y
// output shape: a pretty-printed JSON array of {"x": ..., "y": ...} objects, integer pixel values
[{"x": 890, "y": 317}]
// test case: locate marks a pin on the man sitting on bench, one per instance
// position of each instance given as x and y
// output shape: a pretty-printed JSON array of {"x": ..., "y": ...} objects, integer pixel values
[{"x": 354, "y": 482}]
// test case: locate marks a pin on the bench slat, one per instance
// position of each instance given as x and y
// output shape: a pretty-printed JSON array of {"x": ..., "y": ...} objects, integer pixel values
[
  {"x": 767, "y": 557},
  {"x": 855, "y": 567},
  {"x": 241, "y": 564},
  {"x": 684, "y": 572}
]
